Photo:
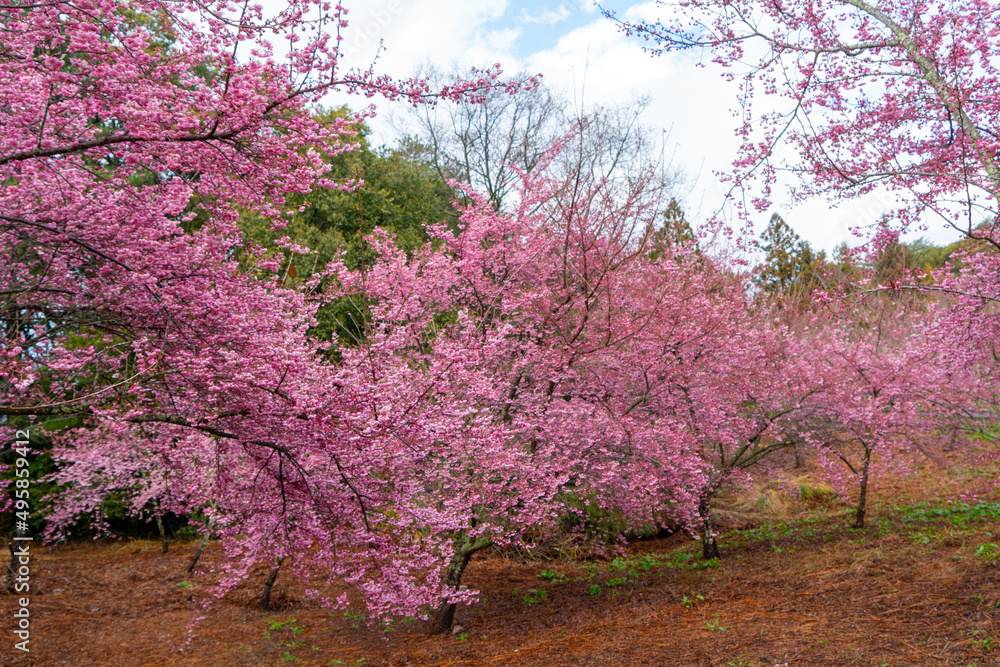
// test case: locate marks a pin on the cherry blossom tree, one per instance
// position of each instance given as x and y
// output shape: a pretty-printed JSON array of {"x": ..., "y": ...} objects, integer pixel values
[
  {"x": 531, "y": 316},
  {"x": 639, "y": 375},
  {"x": 855, "y": 95},
  {"x": 133, "y": 138},
  {"x": 124, "y": 164},
  {"x": 885, "y": 394},
  {"x": 858, "y": 97}
]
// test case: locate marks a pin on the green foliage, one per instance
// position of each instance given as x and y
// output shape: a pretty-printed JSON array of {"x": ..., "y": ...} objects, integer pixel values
[
  {"x": 988, "y": 551},
  {"x": 626, "y": 570},
  {"x": 790, "y": 266},
  {"x": 689, "y": 602},
  {"x": 288, "y": 624},
  {"x": 601, "y": 523},
  {"x": 535, "y": 595},
  {"x": 676, "y": 231},
  {"x": 957, "y": 514},
  {"x": 707, "y": 564},
  {"x": 355, "y": 618},
  {"x": 927, "y": 256},
  {"x": 398, "y": 195},
  {"x": 714, "y": 625}
]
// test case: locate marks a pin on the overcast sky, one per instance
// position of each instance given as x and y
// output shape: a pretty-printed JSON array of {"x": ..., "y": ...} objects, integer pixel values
[{"x": 582, "y": 53}]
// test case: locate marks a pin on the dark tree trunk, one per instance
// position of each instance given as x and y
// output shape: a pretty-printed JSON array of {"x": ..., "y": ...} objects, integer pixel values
[
  {"x": 161, "y": 528},
  {"x": 444, "y": 618},
  {"x": 265, "y": 595},
  {"x": 8, "y": 582},
  {"x": 465, "y": 546},
  {"x": 859, "y": 516},
  {"x": 445, "y": 615},
  {"x": 709, "y": 545},
  {"x": 197, "y": 554},
  {"x": 163, "y": 533},
  {"x": 800, "y": 456}
]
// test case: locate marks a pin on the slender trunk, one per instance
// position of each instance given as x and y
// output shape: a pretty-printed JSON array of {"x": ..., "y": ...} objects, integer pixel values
[
  {"x": 201, "y": 548},
  {"x": 800, "y": 456},
  {"x": 859, "y": 516},
  {"x": 445, "y": 615},
  {"x": 709, "y": 545},
  {"x": 265, "y": 595},
  {"x": 11, "y": 570},
  {"x": 464, "y": 548},
  {"x": 163, "y": 533}
]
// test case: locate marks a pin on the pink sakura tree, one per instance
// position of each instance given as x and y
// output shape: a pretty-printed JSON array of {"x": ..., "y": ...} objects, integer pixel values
[
  {"x": 527, "y": 321},
  {"x": 133, "y": 137},
  {"x": 132, "y": 140},
  {"x": 885, "y": 393},
  {"x": 857, "y": 97},
  {"x": 902, "y": 96},
  {"x": 968, "y": 332},
  {"x": 637, "y": 377},
  {"x": 747, "y": 407}
]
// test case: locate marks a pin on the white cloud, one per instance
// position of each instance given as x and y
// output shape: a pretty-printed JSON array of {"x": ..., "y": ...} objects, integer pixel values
[
  {"x": 547, "y": 17},
  {"x": 598, "y": 64},
  {"x": 594, "y": 63},
  {"x": 502, "y": 41},
  {"x": 646, "y": 11},
  {"x": 418, "y": 31}
]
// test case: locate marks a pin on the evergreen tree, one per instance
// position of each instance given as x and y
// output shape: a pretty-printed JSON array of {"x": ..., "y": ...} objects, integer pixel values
[
  {"x": 393, "y": 192},
  {"x": 675, "y": 231},
  {"x": 790, "y": 266}
]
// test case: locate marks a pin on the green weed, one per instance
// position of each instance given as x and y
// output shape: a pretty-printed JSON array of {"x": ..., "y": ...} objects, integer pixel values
[
  {"x": 553, "y": 576},
  {"x": 689, "y": 602},
  {"x": 715, "y": 626},
  {"x": 535, "y": 595}
]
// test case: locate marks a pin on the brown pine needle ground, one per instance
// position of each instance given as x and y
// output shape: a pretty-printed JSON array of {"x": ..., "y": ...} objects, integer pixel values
[{"x": 916, "y": 587}]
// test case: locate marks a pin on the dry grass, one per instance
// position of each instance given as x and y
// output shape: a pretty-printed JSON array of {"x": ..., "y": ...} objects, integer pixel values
[{"x": 775, "y": 500}]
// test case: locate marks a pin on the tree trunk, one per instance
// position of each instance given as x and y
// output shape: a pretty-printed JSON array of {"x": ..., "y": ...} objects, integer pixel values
[
  {"x": 859, "y": 516},
  {"x": 800, "y": 456},
  {"x": 709, "y": 545},
  {"x": 197, "y": 554},
  {"x": 8, "y": 581},
  {"x": 265, "y": 595},
  {"x": 163, "y": 533},
  {"x": 445, "y": 615},
  {"x": 464, "y": 548}
]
